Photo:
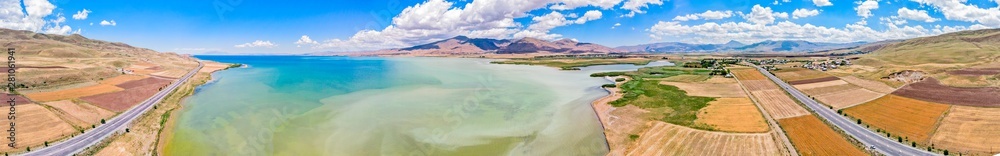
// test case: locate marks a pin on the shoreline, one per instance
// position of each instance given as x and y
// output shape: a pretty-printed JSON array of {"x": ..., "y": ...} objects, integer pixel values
[
  {"x": 166, "y": 131},
  {"x": 602, "y": 109}
]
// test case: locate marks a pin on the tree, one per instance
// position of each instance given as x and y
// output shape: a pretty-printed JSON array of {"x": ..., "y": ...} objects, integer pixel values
[
  {"x": 859, "y": 121},
  {"x": 29, "y": 149},
  {"x": 126, "y": 130},
  {"x": 102, "y": 121},
  {"x": 46, "y": 144},
  {"x": 914, "y": 144},
  {"x": 899, "y": 139},
  {"x": 945, "y": 152}
]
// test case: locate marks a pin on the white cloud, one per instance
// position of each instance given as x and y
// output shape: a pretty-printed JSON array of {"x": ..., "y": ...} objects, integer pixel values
[
  {"x": 57, "y": 27},
  {"x": 707, "y": 15},
  {"x": 258, "y": 43},
  {"x": 438, "y": 19},
  {"x": 960, "y": 11},
  {"x": 81, "y": 15},
  {"x": 865, "y": 8},
  {"x": 803, "y": 13},
  {"x": 616, "y": 25},
  {"x": 916, "y": 15},
  {"x": 589, "y": 16},
  {"x": 570, "y": 4},
  {"x": 305, "y": 40},
  {"x": 712, "y": 32},
  {"x": 108, "y": 23},
  {"x": 822, "y": 3},
  {"x": 30, "y": 17},
  {"x": 763, "y": 15},
  {"x": 635, "y": 6}
]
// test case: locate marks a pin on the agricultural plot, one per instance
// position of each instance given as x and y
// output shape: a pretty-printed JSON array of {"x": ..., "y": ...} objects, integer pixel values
[
  {"x": 969, "y": 130},
  {"x": 816, "y": 80},
  {"x": 709, "y": 89},
  {"x": 843, "y": 99},
  {"x": 796, "y": 74},
  {"x": 35, "y": 126},
  {"x": 733, "y": 115},
  {"x": 778, "y": 104},
  {"x": 212, "y": 66},
  {"x": 668, "y": 139},
  {"x": 72, "y": 93},
  {"x": 759, "y": 85},
  {"x": 80, "y": 115},
  {"x": 869, "y": 84},
  {"x": 121, "y": 79},
  {"x": 173, "y": 73},
  {"x": 135, "y": 92},
  {"x": 931, "y": 90},
  {"x": 687, "y": 78},
  {"x": 18, "y": 99},
  {"x": 900, "y": 116},
  {"x": 820, "y": 91},
  {"x": 144, "y": 82},
  {"x": 810, "y": 136},
  {"x": 819, "y": 84},
  {"x": 748, "y": 74}
]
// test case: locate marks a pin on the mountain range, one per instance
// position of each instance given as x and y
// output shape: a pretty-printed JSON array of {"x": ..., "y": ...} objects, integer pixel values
[{"x": 734, "y": 46}]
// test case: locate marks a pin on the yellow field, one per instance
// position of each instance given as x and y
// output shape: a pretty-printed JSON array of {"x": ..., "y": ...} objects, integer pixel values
[
  {"x": 35, "y": 125},
  {"x": 848, "y": 98},
  {"x": 819, "y": 84},
  {"x": 667, "y": 139},
  {"x": 900, "y": 116},
  {"x": 795, "y": 74},
  {"x": 72, "y": 93},
  {"x": 733, "y": 115},
  {"x": 212, "y": 66},
  {"x": 810, "y": 136},
  {"x": 778, "y": 104},
  {"x": 687, "y": 78},
  {"x": 869, "y": 84},
  {"x": 121, "y": 79},
  {"x": 80, "y": 115},
  {"x": 759, "y": 85},
  {"x": 709, "y": 89},
  {"x": 969, "y": 130},
  {"x": 829, "y": 89},
  {"x": 748, "y": 74},
  {"x": 173, "y": 73}
]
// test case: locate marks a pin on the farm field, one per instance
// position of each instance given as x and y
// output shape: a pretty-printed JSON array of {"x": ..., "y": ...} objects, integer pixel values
[
  {"x": 900, "y": 116},
  {"x": 144, "y": 82},
  {"x": 969, "y": 130},
  {"x": 687, "y": 78},
  {"x": 797, "y": 74},
  {"x": 748, "y": 74},
  {"x": 759, "y": 85},
  {"x": 816, "y": 80},
  {"x": 819, "y": 84},
  {"x": 135, "y": 92},
  {"x": 931, "y": 90},
  {"x": 667, "y": 139},
  {"x": 72, "y": 93},
  {"x": 810, "y": 136},
  {"x": 80, "y": 114},
  {"x": 172, "y": 73},
  {"x": 820, "y": 91},
  {"x": 212, "y": 66},
  {"x": 35, "y": 126},
  {"x": 733, "y": 115},
  {"x": 847, "y": 98},
  {"x": 869, "y": 84},
  {"x": 709, "y": 89},
  {"x": 121, "y": 79},
  {"x": 778, "y": 104}
]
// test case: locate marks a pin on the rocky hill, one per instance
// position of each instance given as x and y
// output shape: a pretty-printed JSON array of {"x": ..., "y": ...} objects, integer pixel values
[
  {"x": 734, "y": 46},
  {"x": 462, "y": 45}
]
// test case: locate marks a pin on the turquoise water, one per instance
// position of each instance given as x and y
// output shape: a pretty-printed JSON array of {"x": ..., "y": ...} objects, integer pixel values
[{"x": 291, "y": 105}]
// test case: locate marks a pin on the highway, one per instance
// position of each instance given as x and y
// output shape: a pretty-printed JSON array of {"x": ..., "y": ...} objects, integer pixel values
[
  {"x": 93, "y": 136},
  {"x": 870, "y": 139}
]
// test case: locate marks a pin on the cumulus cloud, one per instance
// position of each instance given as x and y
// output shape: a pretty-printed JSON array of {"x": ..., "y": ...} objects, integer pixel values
[
  {"x": 108, "y": 23},
  {"x": 438, "y": 19},
  {"x": 802, "y": 13},
  {"x": 822, "y": 3},
  {"x": 707, "y": 15},
  {"x": 636, "y": 6},
  {"x": 305, "y": 40},
  {"x": 763, "y": 15},
  {"x": 541, "y": 25},
  {"x": 712, "y": 32},
  {"x": 31, "y": 17},
  {"x": 258, "y": 43},
  {"x": 865, "y": 8},
  {"x": 960, "y": 11},
  {"x": 916, "y": 15},
  {"x": 81, "y": 15},
  {"x": 589, "y": 16},
  {"x": 616, "y": 25}
]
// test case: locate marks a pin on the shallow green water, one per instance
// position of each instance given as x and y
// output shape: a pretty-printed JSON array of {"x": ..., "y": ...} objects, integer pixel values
[{"x": 390, "y": 106}]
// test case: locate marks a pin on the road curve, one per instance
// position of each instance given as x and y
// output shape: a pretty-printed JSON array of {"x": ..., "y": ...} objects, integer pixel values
[
  {"x": 868, "y": 138},
  {"x": 89, "y": 138}
]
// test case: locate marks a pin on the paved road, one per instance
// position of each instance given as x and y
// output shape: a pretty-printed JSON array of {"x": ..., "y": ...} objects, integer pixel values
[
  {"x": 868, "y": 138},
  {"x": 89, "y": 138}
]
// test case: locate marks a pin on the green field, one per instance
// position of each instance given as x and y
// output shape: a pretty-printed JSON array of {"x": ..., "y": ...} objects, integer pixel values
[{"x": 646, "y": 92}]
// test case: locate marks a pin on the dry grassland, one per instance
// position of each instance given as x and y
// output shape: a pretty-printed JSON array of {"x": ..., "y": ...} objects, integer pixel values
[
  {"x": 668, "y": 139},
  {"x": 869, "y": 84},
  {"x": 969, "y": 129},
  {"x": 733, "y": 115},
  {"x": 810, "y": 136},
  {"x": 709, "y": 89},
  {"x": 900, "y": 116},
  {"x": 820, "y": 84},
  {"x": 829, "y": 90},
  {"x": 73, "y": 93},
  {"x": 172, "y": 73},
  {"x": 778, "y": 104},
  {"x": 80, "y": 114},
  {"x": 687, "y": 78},
  {"x": 35, "y": 126},
  {"x": 848, "y": 98},
  {"x": 121, "y": 79},
  {"x": 759, "y": 85}
]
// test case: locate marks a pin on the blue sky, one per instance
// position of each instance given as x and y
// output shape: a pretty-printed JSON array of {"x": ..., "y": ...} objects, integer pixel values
[{"x": 257, "y": 27}]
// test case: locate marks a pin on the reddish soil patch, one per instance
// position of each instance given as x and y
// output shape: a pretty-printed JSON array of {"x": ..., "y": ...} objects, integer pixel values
[
  {"x": 18, "y": 99},
  {"x": 824, "y": 79},
  {"x": 19, "y": 67},
  {"x": 135, "y": 91},
  {"x": 144, "y": 82},
  {"x": 975, "y": 72},
  {"x": 154, "y": 68},
  {"x": 931, "y": 90}
]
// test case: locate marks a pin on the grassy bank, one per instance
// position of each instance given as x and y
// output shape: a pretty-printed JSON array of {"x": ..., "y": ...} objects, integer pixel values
[
  {"x": 667, "y": 103},
  {"x": 574, "y": 64}
]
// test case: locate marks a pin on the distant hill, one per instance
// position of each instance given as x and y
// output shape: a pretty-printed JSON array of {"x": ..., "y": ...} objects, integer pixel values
[
  {"x": 461, "y": 45},
  {"x": 965, "y": 47},
  {"x": 734, "y": 46}
]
